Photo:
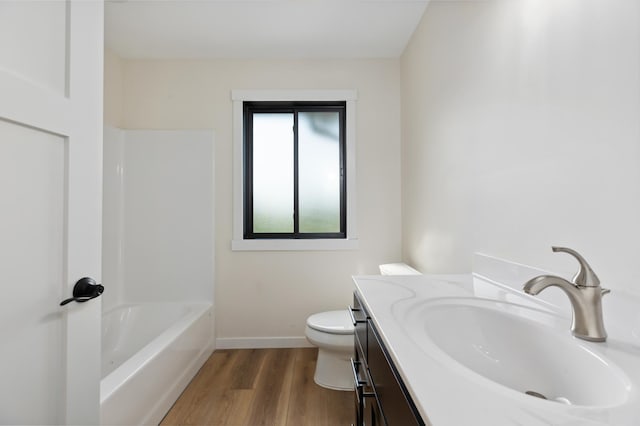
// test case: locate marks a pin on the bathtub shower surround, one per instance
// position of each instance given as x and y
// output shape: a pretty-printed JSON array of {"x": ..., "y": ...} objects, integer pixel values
[
  {"x": 158, "y": 223},
  {"x": 158, "y": 257}
]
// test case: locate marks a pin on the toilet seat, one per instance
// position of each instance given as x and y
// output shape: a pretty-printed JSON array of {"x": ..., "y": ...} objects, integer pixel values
[{"x": 332, "y": 322}]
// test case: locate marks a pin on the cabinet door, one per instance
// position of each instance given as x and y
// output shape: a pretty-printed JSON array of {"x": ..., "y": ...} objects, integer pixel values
[
  {"x": 394, "y": 404},
  {"x": 358, "y": 387},
  {"x": 372, "y": 416},
  {"x": 359, "y": 317}
]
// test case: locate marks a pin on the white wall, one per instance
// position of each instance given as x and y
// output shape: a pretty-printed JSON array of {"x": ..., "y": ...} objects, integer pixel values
[
  {"x": 113, "y": 95},
  {"x": 270, "y": 294},
  {"x": 520, "y": 131},
  {"x": 158, "y": 216}
]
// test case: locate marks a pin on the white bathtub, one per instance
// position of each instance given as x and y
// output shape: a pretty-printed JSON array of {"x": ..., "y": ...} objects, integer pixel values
[{"x": 150, "y": 352}]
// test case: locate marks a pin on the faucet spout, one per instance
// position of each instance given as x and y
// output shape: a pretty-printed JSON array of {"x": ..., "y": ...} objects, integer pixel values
[
  {"x": 585, "y": 296},
  {"x": 537, "y": 284}
]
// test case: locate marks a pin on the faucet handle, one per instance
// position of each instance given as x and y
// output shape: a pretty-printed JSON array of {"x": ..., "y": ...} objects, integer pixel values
[{"x": 585, "y": 277}]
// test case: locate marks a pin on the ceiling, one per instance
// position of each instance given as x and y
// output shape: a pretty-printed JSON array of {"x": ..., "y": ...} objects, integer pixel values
[{"x": 261, "y": 29}]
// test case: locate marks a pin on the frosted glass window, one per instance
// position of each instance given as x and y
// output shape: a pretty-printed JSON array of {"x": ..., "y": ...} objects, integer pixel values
[
  {"x": 319, "y": 171},
  {"x": 272, "y": 173},
  {"x": 294, "y": 162}
]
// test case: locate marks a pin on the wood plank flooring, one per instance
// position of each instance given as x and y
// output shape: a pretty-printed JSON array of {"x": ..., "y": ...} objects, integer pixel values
[{"x": 260, "y": 387}]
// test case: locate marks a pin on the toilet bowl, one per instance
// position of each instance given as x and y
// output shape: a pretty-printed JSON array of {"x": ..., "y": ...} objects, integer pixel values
[{"x": 332, "y": 333}]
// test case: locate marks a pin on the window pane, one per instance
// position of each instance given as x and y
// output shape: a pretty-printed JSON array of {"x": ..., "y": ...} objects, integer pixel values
[
  {"x": 319, "y": 171},
  {"x": 273, "y": 172}
]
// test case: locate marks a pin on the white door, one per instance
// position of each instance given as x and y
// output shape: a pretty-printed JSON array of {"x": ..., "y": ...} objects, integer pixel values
[{"x": 50, "y": 209}]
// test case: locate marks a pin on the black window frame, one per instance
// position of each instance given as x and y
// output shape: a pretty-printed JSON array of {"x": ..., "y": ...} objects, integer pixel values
[{"x": 294, "y": 107}]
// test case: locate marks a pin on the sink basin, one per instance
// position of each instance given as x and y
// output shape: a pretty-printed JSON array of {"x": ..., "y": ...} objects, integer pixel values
[{"x": 524, "y": 349}]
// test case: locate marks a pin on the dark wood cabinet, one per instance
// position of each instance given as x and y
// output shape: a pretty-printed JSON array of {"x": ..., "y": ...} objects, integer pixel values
[
  {"x": 372, "y": 415},
  {"x": 381, "y": 397}
]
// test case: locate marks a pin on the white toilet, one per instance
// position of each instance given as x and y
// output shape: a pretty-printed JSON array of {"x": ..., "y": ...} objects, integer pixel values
[{"x": 332, "y": 333}]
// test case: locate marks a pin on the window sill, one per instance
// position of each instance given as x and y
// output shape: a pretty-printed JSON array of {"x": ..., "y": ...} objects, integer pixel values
[{"x": 294, "y": 245}]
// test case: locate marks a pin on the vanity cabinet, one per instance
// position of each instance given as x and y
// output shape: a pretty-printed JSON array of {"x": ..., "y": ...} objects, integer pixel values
[{"x": 380, "y": 395}]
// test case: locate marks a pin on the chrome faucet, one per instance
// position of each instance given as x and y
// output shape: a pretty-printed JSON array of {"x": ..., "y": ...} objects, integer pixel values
[{"x": 585, "y": 294}]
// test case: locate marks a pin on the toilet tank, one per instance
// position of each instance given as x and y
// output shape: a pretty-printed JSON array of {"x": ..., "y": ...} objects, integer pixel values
[{"x": 398, "y": 269}]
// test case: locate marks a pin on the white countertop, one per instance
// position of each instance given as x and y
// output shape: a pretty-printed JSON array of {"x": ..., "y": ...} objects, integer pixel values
[{"x": 449, "y": 394}]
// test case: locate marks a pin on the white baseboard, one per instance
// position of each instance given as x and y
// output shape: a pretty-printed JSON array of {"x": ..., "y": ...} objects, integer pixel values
[{"x": 262, "y": 342}]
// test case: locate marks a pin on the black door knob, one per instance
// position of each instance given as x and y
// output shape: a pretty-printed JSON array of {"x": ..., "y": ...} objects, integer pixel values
[{"x": 85, "y": 289}]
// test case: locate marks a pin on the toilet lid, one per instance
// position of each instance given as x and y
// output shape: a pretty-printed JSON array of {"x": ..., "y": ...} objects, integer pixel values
[{"x": 334, "y": 322}]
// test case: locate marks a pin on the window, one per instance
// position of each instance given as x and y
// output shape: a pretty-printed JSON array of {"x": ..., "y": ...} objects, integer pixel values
[
  {"x": 294, "y": 169},
  {"x": 294, "y": 173}
]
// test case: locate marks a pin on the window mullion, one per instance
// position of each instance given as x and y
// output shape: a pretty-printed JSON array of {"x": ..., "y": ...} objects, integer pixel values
[{"x": 296, "y": 210}]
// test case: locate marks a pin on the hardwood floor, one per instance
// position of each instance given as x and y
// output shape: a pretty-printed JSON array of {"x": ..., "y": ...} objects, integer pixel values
[{"x": 260, "y": 387}]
